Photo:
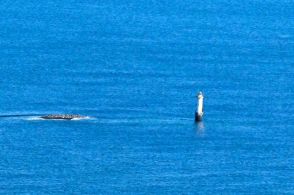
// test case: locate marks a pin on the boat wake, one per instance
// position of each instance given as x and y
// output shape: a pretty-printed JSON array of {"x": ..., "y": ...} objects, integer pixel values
[
  {"x": 34, "y": 118},
  {"x": 84, "y": 118},
  {"x": 18, "y": 115}
]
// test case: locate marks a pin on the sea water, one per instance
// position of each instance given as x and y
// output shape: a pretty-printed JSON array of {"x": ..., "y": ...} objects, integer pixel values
[{"x": 135, "y": 67}]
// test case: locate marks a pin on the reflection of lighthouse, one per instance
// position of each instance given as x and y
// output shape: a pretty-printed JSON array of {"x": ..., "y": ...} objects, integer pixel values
[{"x": 199, "y": 112}]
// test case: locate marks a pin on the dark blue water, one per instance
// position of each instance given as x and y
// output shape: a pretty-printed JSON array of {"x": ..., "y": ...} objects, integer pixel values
[{"x": 135, "y": 67}]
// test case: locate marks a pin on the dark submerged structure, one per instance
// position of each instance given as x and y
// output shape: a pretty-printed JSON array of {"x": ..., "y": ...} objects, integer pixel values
[{"x": 62, "y": 116}]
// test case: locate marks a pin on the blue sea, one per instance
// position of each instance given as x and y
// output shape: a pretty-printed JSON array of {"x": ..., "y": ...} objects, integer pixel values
[{"x": 134, "y": 67}]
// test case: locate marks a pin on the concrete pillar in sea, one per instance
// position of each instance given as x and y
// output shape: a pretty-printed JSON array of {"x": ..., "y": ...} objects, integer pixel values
[{"x": 199, "y": 111}]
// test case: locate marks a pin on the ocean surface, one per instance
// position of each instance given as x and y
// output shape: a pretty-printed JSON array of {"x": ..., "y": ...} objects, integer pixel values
[{"x": 134, "y": 67}]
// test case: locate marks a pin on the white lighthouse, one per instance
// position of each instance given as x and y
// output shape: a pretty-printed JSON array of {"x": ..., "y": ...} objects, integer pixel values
[{"x": 199, "y": 112}]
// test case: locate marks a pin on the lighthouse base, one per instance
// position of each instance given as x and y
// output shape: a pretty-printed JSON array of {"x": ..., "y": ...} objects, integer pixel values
[{"x": 198, "y": 117}]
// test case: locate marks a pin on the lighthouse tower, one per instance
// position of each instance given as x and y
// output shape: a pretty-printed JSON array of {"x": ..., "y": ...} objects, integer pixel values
[{"x": 199, "y": 111}]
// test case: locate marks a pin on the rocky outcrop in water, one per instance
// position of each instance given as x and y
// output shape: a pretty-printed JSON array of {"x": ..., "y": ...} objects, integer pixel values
[{"x": 62, "y": 116}]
